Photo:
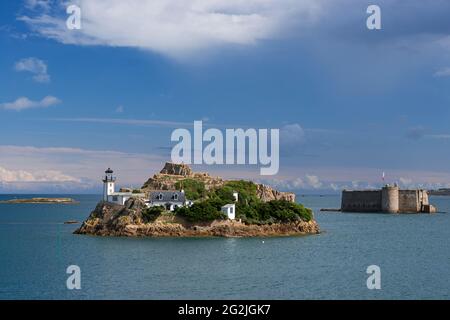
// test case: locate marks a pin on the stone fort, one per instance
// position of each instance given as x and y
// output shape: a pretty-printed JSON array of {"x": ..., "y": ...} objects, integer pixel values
[{"x": 389, "y": 199}]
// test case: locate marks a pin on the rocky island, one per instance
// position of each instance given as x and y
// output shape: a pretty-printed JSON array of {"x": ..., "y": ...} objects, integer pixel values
[
  {"x": 180, "y": 203},
  {"x": 40, "y": 201}
]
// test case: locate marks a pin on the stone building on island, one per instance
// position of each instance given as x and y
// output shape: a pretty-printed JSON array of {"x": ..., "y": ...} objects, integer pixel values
[
  {"x": 168, "y": 199},
  {"x": 389, "y": 199}
]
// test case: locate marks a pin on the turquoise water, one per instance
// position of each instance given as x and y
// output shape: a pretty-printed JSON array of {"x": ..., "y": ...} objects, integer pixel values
[{"x": 413, "y": 252}]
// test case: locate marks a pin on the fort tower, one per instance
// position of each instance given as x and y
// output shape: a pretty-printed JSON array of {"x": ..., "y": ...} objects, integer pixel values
[{"x": 390, "y": 199}]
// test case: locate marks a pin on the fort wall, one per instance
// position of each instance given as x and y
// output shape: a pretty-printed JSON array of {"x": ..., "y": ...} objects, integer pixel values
[
  {"x": 361, "y": 201},
  {"x": 389, "y": 199},
  {"x": 409, "y": 201}
]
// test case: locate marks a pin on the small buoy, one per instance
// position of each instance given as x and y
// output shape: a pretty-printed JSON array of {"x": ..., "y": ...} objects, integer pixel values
[{"x": 263, "y": 241}]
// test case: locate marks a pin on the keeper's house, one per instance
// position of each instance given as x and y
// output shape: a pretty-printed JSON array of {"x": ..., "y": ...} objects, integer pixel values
[{"x": 170, "y": 200}]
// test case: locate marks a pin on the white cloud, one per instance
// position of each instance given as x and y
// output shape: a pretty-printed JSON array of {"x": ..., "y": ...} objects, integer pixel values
[
  {"x": 444, "y": 72},
  {"x": 120, "y": 109},
  {"x": 313, "y": 181},
  {"x": 308, "y": 182},
  {"x": 335, "y": 187},
  {"x": 42, "y": 165},
  {"x": 36, "y": 67},
  {"x": 38, "y": 4},
  {"x": 286, "y": 184},
  {"x": 292, "y": 135},
  {"x": 177, "y": 28},
  {"x": 340, "y": 178},
  {"x": 9, "y": 176},
  {"x": 405, "y": 182},
  {"x": 23, "y": 103}
]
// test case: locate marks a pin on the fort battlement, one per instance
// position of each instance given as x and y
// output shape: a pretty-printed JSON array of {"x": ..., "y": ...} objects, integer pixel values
[{"x": 389, "y": 199}]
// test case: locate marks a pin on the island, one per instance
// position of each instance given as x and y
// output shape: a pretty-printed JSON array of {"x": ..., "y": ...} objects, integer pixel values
[
  {"x": 40, "y": 201},
  {"x": 178, "y": 202}
]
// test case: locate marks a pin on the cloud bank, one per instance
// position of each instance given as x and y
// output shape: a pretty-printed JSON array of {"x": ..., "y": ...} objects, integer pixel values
[
  {"x": 70, "y": 169},
  {"x": 11, "y": 176},
  {"x": 24, "y": 103},
  {"x": 172, "y": 27}
]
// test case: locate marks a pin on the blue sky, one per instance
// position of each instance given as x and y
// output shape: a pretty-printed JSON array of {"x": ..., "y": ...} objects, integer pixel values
[{"x": 350, "y": 102}]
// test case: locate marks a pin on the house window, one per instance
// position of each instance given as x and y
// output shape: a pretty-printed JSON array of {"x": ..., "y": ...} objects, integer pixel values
[
  {"x": 175, "y": 196},
  {"x": 115, "y": 198},
  {"x": 160, "y": 196},
  {"x": 231, "y": 210}
]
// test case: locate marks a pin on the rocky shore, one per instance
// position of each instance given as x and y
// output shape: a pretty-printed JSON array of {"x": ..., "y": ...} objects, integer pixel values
[{"x": 128, "y": 221}]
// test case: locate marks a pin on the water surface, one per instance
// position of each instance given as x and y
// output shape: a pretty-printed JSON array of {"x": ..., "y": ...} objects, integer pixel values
[{"x": 413, "y": 252}]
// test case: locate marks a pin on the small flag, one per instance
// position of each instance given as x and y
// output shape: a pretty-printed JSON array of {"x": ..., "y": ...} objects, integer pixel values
[{"x": 383, "y": 176}]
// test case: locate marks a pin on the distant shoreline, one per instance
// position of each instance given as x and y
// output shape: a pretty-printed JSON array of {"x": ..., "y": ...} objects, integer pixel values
[
  {"x": 440, "y": 193},
  {"x": 40, "y": 201}
]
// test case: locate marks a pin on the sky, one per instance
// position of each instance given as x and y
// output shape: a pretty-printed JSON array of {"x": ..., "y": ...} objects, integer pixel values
[{"x": 350, "y": 103}]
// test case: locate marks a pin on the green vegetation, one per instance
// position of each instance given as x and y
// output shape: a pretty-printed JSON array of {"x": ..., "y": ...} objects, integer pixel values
[
  {"x": 152, "y": 213},
  {"x": 245, "y": 189},
  {"x": 281, "y": 210},
  {"x": 249, "y": 207},
  {"x": 207, "y": 210},
  {"x": 137, "y": 191},
  {"x": 193, "y": 189}
]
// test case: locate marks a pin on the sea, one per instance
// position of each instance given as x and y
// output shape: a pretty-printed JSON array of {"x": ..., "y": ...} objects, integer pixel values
[{"x": 412, "y": 253}]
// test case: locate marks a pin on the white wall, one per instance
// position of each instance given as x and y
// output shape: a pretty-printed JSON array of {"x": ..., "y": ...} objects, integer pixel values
[{"x": 230, "y": 211}]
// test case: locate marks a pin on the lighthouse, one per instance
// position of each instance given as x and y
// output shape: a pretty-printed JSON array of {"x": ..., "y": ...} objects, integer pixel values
[{"x": 109, "y": 182}]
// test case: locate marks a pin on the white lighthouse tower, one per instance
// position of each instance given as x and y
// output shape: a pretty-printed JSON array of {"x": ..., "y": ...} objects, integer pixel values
[{"x": 109, "y": 182}]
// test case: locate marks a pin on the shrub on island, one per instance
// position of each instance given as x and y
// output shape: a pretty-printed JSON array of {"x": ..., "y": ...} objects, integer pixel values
[
  {"x": 152, "y": 213},
  {"x": 249, "y": 207},
  {"x": 245, "y": 189},
  {"x": 283, "y": 211},
  {"x": 193, "y": 189},
  {"x": 204, "y": 211}
]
